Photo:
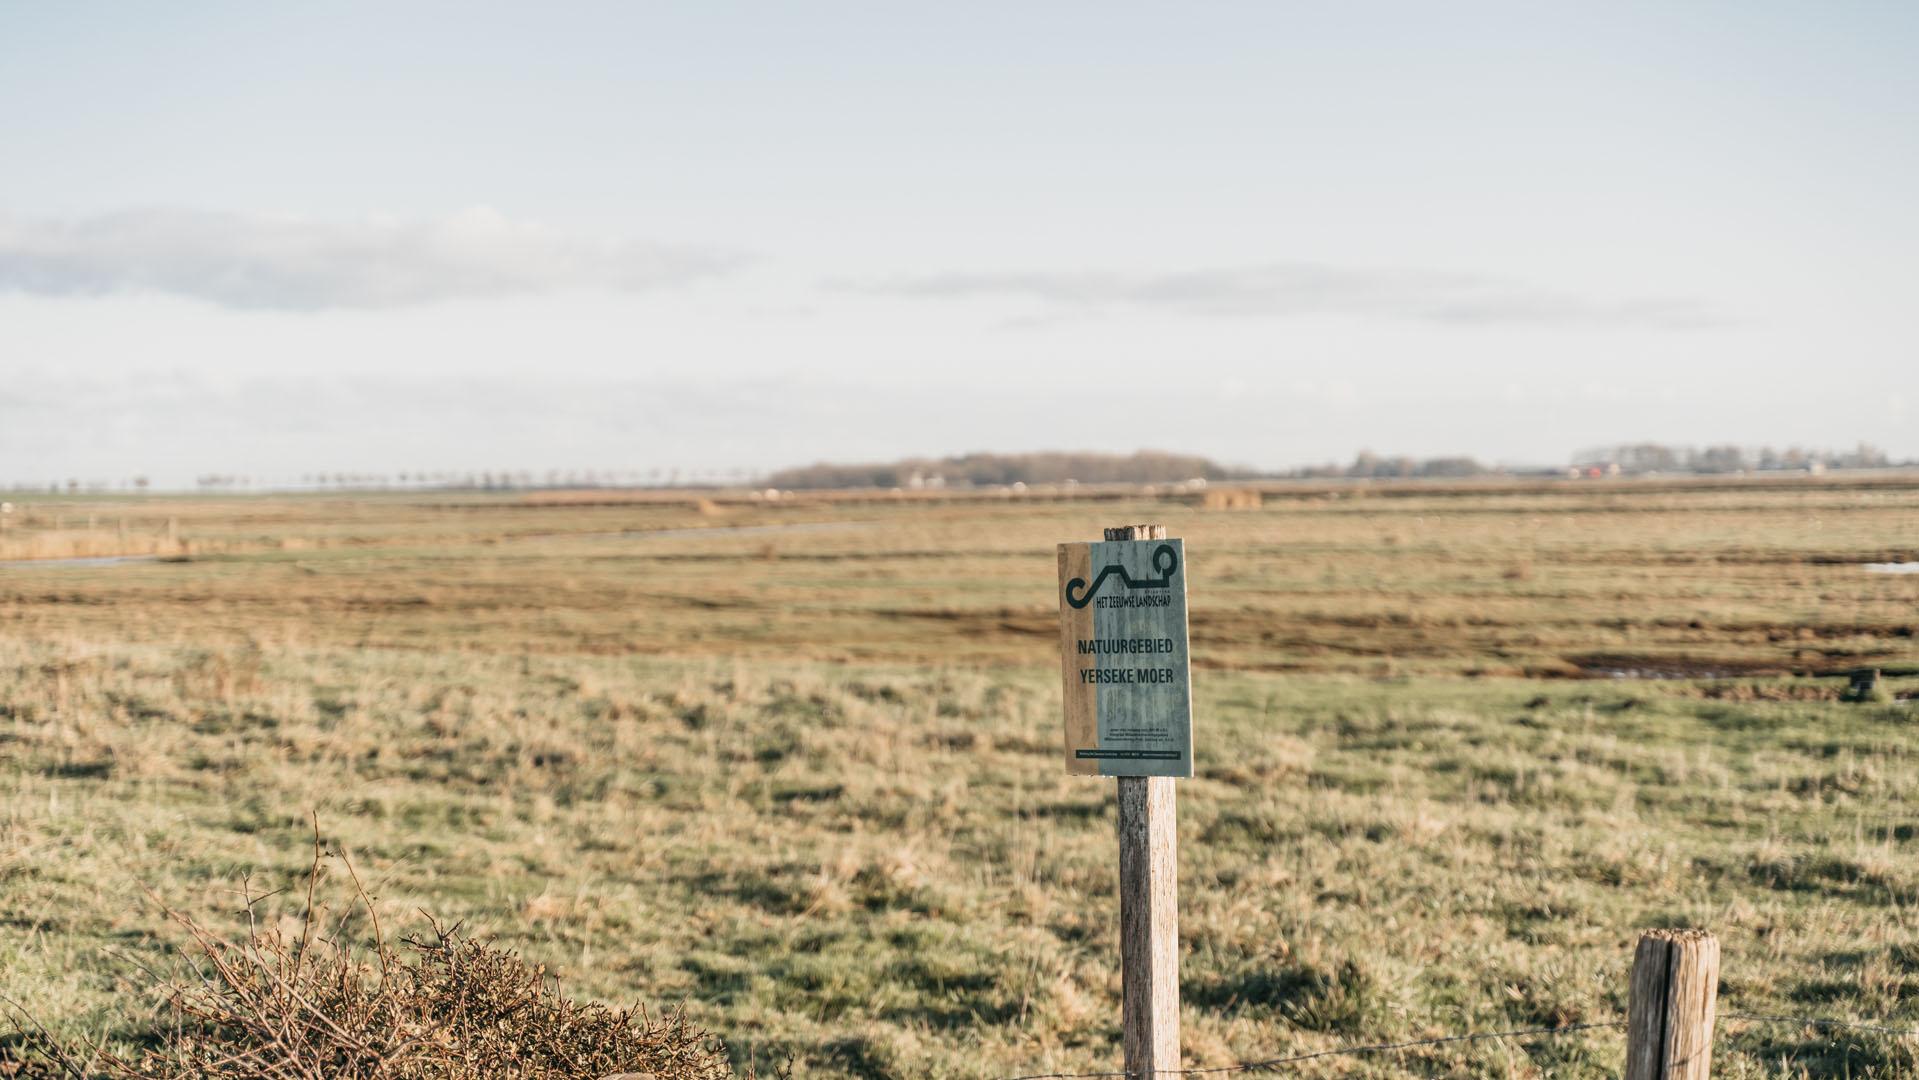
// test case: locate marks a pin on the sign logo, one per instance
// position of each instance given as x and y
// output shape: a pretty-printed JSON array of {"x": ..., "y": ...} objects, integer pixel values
[{"x": 1165, "y": 561}]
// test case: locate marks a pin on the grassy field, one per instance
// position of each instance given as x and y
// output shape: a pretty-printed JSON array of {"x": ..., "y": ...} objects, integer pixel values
[{"x": 796, "y": 766}]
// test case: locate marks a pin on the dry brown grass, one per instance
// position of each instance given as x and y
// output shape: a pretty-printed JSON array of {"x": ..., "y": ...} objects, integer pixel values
[{"x": 1568, "y": 581}]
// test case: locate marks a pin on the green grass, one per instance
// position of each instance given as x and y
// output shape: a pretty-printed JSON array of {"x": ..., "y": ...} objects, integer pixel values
[
  {"x": 809, "y": 783},
  {"x": 883, "y": 871}
]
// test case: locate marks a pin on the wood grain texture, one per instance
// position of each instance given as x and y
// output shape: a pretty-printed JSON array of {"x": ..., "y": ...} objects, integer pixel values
[
  {"x": 1149, "y": 923},
  {"x": 1148, "y": 906},
  {"x": 1691, "y": 1003},
  {"x": 1646, "y": 1009},
  {"x": 1671, "y": 1006}
]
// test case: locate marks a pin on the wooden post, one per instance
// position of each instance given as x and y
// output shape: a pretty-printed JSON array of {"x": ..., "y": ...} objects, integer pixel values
[
  {"x": 1148, "y": 906},
  {"x": 1669, "y": 1011}
]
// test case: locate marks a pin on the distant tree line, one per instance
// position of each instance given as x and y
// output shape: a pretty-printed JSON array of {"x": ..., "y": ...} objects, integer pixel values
[
  {"x": 486, "y": 480},
  {"x": 1367, "y": 465},
  {"x": 1051, "y": 467},
  {"x": 991, "y": 470},
  {"x": 1644, "y": 458},
  {"x": 1631, "y": 459},
  {"x": 76, "y": 486}
]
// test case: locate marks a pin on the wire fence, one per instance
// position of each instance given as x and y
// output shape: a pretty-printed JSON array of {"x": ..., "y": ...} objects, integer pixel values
[{"x": 1267, "y": 1064}]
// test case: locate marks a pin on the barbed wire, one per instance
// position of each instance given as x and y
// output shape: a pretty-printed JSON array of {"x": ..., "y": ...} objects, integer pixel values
[{"x": 1477, "y": 1036}]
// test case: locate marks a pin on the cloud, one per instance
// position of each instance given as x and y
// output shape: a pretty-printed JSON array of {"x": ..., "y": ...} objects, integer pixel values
[
  {"x": 1293, "y": 289},
  {"x": 293, "y": 264}
]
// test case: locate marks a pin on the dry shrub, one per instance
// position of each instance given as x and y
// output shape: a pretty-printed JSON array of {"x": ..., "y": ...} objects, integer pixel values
[
  {"x": 455, "y": 1009},
  {"x": 306, "y": 1004}
]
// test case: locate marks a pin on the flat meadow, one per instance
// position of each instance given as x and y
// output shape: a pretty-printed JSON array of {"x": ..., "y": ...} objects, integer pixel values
[{"x": 794, "y": 765}]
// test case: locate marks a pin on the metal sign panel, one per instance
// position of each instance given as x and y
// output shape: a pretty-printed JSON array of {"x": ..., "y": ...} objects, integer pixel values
[{"x": 1122, "y": 632}]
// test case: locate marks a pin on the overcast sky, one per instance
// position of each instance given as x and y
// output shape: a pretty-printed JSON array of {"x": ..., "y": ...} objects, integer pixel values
[{"x": 273, "y": 240}]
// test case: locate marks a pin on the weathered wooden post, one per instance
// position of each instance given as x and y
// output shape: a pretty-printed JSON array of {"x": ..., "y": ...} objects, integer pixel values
[
  {"x": 1128, "y": 706},
  {"x": 1149, "y": 923},
  {"x": 1669, "y": 1011}
]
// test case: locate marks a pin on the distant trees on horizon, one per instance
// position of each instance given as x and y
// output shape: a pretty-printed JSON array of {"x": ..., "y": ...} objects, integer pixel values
[
  {"x": 991, "y": 470},
  {"x": 1638, "y": 459},
  {"x": 1370, "y": 466},
  {"x": 1047, "y": 467}
]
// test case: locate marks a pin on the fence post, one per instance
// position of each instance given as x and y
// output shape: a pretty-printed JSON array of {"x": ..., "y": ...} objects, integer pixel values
[
  {"x": 1669, "y": 1011},
  {"x": 1148, "y": 906}
]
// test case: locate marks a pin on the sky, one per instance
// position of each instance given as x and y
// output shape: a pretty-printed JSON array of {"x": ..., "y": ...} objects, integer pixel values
[{"x": 275, "y": 240}]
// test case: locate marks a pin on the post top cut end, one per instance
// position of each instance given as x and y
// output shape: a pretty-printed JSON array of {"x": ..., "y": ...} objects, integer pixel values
[{"x": 1678, "y": 936}]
